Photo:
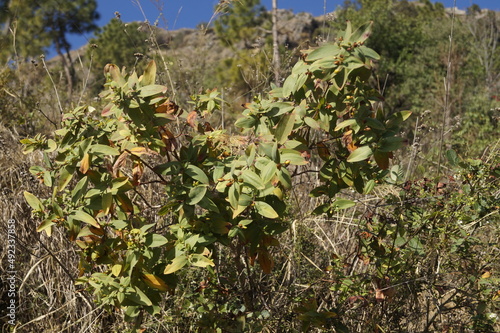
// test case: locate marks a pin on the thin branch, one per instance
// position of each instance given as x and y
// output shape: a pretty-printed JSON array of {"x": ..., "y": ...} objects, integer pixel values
[
  {"x": 53, "y": 84},
  {"x": 447, "y": 84}
]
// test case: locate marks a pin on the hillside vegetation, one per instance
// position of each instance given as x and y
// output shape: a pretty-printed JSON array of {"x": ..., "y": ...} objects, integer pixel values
[{"x": 341, "y": 176}]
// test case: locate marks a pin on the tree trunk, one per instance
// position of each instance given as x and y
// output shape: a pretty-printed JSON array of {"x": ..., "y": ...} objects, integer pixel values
[{"x": 276, "y": 53}]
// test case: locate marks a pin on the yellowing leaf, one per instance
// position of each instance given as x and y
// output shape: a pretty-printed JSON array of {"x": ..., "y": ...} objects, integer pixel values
[
  {"x": 155, "y": 282},
  {"x": 85, "y": 163},
  {"x": 116, "y": 269},
  {"x": 141, "y": 151}
]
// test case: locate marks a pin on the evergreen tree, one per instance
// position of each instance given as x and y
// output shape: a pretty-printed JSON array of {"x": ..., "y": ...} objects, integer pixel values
[
  {"x": 241, "y": 21},
  {"x": 118, "y": 43},
  {"x": 31, "y": 26}
]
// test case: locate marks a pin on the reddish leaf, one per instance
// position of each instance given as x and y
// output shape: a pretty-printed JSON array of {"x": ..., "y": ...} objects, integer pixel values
[
  {"x": 382, "y": 159},
  {"x": 323, "y": 151},
  {"x": 265, "y": 261}
]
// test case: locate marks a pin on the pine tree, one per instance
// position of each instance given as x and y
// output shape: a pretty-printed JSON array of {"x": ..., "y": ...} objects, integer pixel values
[
  {"x": 120, "y": 44},
  {"x": 31, "y": 26},
  {"x": 241, "y": 21}
]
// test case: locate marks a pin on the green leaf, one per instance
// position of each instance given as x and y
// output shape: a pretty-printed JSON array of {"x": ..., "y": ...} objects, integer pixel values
[
  {"x": 84, "y": 217},
  {"x": 292, "y": 156},
  {"x": 140, "y": 297},
  {"x": 289, "y": 85},
  {"x": 197, "y": 174},
  {"x": 65, "y": 176},
  {"x": 51, "y": 146},
  {"x": 325, "y": 51},
  {"x": 251, "y": 178},
  {"x": 368, "y": 52},
  {"x": 238, "y": 210},
  {"x": 234, "y": 195},
  {"x": 362, "y": 33},
  {"x": 341, "y": 76},
  {"x": 250, "y": 152},
  {"x": 360, "y": 154},
  {"x": 33, "y": 201},
  {"x": 268, "y": 172},
  {"x": 46, "y": 225},
  {"x": 369, "y": 185},
  {"x": 374, "y": 123},
  {"x": 284, "y": 127},
  {"x": 245, "y": 122},
  {"x": 155, "y": 240},
  {"x": 452, "y": 157},
  {"x": 151, "y": 90},
  {"x": 397, "y": 118},
  {"x": 196, "y": 194},
  {"x": 208, "y": 204},
  {"x": 389, "y": 144},
  {"x": 345, "y": 123},
  {"x": 200, "y": 260},
  {"x": 264, "y": 209},
  {"x": 103, "y": 150},
  {"x": 343, "y": 203},
  {"x": 149, "y": 75},
  {"x": 285, "y": 178},
  {"x": 312, "y": 123},
  {"x": 176, "y": 264}
]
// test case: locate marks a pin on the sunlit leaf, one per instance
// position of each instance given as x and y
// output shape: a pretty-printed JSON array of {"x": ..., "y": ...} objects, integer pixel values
[
  {"x": 251, "y": 178},
  {"x": 285, "y": 127},
  {"x": 196, "y": 194},
  {"x": 324, "y": 51},
  {"x": 176, "y": 264},
  {"x": 116, "y": 269},
  {"x": 200, "y": 260},
  {"x": 265, "y": 209},
  {"x": 360, "y": 154},
  {"x": 84, "y": 217},
  {"x": 343, "y": 203},
  {"x": 155, "y": 240},
  {"x": 99, "y": 149},
  {"x": 155, "y": 282},
  {"x": 151, "y": 90},
  {"x": 197, "y": 174},
  {"x": 33, "y": 201},
  {"x": 149, "y": 76},
  {"x": 65, "y": 176}
]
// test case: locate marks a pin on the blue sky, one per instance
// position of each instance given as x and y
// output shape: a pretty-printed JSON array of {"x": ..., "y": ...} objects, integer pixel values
[{"x": 175, "y": 14}]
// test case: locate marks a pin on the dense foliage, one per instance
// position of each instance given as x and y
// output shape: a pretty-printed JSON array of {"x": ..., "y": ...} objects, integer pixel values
[{"x": 328, "y": 206}]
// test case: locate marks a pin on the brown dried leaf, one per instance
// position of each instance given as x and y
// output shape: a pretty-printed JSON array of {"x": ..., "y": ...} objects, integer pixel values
[
  {"x": 191, "y": 119},
  {"x": 168, "y": 107},
  {"x": 120, "y": 162},
  {"x": 169, "y": 140},
  {"x": 265, "y": 261}
]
